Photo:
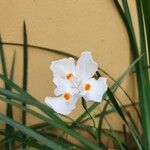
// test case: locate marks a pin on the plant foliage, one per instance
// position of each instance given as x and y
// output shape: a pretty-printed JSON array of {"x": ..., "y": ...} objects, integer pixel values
[{"x": 17, "y": 135}]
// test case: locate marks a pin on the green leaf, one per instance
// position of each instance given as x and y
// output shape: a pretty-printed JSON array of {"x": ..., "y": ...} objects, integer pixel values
[
  {"x": 30, "y": 132},
  {"x": 42, "y": 48},
  {"x": 146, "y": 11},
  {"x": 142, "y": 39},
  {"x": 142, "y": 82},
  {"x": 110, "y": 111},
  {"x": 9, "y": 111},
  {"x": 101, "y": 118},
  {"x": 2, "y": 56},
  {"x": 25, "y": 71},
  {"x": 37, "y": 126},
  {"x": 115, "y": 137},
  {"x": 57, "y": 122}
]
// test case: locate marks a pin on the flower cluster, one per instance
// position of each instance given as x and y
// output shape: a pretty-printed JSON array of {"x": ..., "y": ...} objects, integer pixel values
[{"x": 75, "y": 80}]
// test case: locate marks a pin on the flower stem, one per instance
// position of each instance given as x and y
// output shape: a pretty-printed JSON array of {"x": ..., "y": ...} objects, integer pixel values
[{"x": 93, "y": 119}]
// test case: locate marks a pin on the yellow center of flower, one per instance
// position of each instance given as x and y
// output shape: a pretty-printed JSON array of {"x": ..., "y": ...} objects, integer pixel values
[
  {"x": 87, "y": 87},
  {"x": 67, "y": 96},
  {"x": 69, "y": 76}
]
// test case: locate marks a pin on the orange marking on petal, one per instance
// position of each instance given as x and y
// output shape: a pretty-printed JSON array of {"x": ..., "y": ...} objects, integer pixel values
[
  {"x": 87, "y": 87},
  {"x": 69, "y": 76},
  {"x": 67, "y": 96}
]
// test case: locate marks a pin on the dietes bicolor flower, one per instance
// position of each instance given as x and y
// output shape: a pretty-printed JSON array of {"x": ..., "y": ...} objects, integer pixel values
[{"x": 74, "y": 80}]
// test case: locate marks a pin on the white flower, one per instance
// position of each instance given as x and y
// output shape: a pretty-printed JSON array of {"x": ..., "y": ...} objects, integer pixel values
[{"x": 74, "y": 81}]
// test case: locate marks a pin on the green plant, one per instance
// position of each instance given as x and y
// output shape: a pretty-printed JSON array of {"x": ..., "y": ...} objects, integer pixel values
[{"x": 19, "y": 135}]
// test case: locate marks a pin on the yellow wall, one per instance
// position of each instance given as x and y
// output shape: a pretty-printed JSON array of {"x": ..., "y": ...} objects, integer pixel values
[{"x": 67, "y": 25}]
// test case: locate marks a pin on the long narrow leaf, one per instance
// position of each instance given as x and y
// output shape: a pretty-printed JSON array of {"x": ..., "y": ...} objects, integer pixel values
[
  {"x": 57, "y": 122},
  {"x": 146, "y": 11},
  {"x": 30, "y": 132},
  {"x": 25, "y": 70},
  {"x": 9, "y": 111},
  {"x": 142, "y": 39}
]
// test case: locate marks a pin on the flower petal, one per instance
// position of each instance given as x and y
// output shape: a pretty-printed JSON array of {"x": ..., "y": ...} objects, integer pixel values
[
  {"x": 86, "y": 66},
  {"x": 61, "y": 106},
  {"x": 62, "y": 86},
  {"x": 98, "y": 88},
  {"x": 61, "y": 68}
]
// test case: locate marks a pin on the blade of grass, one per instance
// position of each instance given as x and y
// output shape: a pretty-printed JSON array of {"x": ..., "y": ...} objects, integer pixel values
[
  {"x": 30, "y": 132},
  {"x": 13, "y": 67},
  {"x": 146, "y": 11},
  {"x": 56, "y": 121},
  {"x": 119, "y": 86},
  {"x": 2, "y": 55},
  {"x": 101, "y": 117},
  {"x": 31, "y": 143},
  {"x": 125, "y": 136},
  {"x": 141, "y": 81},
  {"x": 60, "y": 141},
  {"x": 36, "y": 114},
  {"x": 116, "y": 138},
  {"x": 9, "y": 111},
  {"x": 10, "y": 108},
  {"x": 112, "y": 133},
  {"x": 142, "y": 38},
  {"x": 116, "y": 107},
  {"x": 42, "y": 48},
  {"x": 32, "y": 112},
  {"x": 145, "y": 61},
  {"x": 26, "y": 98},
  {"x": 25, "y": 71},
  {"x": 130, "y": 24},
  {"x": 108, "y": 112},
  {"x": 128, "y": 115}
]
